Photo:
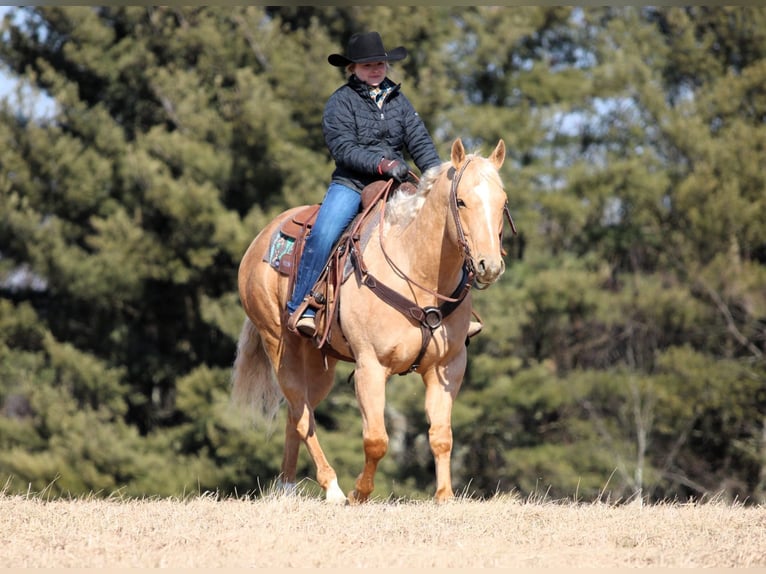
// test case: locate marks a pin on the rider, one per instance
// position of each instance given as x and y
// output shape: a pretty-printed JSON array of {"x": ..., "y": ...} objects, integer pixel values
[{"x": 367, "y": 123}]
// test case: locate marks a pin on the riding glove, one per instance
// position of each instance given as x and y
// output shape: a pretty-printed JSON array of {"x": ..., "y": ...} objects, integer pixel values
[{"x": 394, "y": 168}]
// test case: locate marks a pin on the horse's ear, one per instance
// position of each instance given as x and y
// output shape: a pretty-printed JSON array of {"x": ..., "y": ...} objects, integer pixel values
[
  {"x": 498, "y": 156},
  {"x": 458, "y": 153}
]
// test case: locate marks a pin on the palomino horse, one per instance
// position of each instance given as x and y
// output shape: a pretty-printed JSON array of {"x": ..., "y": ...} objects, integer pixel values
[{"x": 434, "y": 245}]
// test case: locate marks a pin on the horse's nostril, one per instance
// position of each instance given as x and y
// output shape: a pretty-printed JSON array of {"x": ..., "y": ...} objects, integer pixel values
[{"x": 489, "y": 271}]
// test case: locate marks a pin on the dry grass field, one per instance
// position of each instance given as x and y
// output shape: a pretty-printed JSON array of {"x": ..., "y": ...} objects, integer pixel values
[{"x": 302, "y": 531}]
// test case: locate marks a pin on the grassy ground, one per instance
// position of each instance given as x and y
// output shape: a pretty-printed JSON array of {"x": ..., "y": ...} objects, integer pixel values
[{"x": 303, "y": 531}]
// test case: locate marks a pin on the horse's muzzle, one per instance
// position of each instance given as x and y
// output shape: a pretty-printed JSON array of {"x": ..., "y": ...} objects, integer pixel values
[{"x": 487, "y": 271}]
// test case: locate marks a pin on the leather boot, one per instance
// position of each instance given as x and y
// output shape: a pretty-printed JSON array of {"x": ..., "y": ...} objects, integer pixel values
[
  {"x": 306, "y": 325},
  {"x": 474, "y": 327}
]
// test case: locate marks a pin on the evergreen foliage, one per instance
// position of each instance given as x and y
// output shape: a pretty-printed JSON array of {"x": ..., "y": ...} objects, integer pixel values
[{"x": 623, "y": 351}]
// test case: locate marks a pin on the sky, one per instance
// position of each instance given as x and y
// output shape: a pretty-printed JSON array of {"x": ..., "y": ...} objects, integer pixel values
[
  {"x": 6, "y": 83},
  {"x": 42, "y": 105}
]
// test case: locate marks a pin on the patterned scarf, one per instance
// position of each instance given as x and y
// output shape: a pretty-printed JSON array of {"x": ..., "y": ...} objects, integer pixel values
[{"x": 378, "y": 94}]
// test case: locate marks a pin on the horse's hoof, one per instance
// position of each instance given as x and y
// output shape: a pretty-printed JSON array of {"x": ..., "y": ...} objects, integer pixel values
[
  {"x": 355, "y": 498},
  {"x": 334, "y": 494},
  {"x": 443, "y": 497}
]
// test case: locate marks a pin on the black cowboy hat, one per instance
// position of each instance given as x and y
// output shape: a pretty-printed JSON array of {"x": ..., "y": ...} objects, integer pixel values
[{"x": 366, "y": 47}]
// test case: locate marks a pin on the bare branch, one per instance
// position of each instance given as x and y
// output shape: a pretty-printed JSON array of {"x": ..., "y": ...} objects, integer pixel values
[{"x": 729, "y": 318}]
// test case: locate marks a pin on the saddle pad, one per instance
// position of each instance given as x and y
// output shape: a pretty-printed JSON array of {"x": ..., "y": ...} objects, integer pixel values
[{"x": 279, "y": 248}]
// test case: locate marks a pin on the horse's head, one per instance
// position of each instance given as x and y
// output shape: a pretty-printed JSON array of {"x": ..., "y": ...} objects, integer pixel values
[{"x": 478, "y": 202}]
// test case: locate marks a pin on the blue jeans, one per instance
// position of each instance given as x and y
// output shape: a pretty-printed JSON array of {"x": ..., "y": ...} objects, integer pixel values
[{"x": 339, "y": 207}]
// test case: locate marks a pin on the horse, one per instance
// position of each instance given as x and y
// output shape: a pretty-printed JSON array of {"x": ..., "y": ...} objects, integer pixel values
[{"x": 429, "y": 249}]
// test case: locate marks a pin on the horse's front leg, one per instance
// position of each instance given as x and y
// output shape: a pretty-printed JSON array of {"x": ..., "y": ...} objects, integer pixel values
[
  {"x": 442, "y": 386},
  {"x": 370, "y": 384}
]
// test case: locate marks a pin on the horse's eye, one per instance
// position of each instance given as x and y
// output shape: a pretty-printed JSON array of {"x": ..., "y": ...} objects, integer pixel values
[{"x": 460, "y": 202}]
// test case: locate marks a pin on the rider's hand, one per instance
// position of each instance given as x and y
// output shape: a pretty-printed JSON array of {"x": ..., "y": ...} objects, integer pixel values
[{"x": 394, "y": 168}]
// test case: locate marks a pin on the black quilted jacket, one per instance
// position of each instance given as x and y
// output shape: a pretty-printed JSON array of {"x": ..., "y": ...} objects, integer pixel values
[{"x": 359, "y": 134}]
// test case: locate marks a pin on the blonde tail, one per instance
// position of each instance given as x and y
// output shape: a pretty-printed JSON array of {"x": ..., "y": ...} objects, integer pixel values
[{"x": 254, "y": 383}]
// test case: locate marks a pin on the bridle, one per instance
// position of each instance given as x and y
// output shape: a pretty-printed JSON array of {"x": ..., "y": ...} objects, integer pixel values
[{"x": 461, "y": 239}]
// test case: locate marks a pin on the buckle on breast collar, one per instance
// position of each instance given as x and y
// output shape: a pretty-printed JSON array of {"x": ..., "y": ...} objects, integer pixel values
[{"x": 432, "y": 317}]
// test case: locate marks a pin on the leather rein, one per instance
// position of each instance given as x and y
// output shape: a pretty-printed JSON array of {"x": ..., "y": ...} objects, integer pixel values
[{"x": 429, "y": 318}]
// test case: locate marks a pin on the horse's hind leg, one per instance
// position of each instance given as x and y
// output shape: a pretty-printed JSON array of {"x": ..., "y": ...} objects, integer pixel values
[
  {"x": 302, "y": 393},
  {"x": 290, "y": 454},
  {"x": 301, "y": 426}
]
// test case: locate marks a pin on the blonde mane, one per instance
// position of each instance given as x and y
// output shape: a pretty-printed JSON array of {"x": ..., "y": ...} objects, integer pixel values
[{"x": 402, "y": 208}]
